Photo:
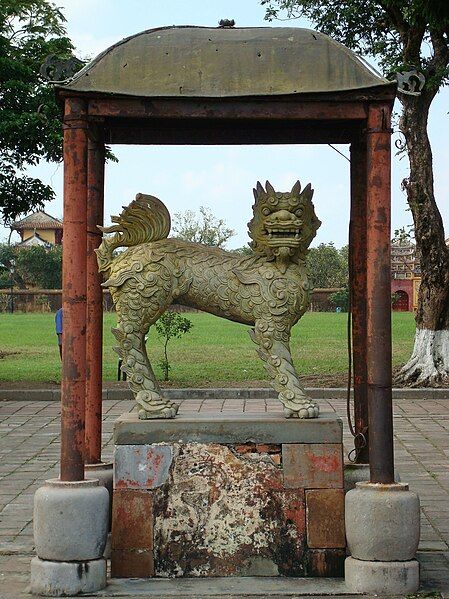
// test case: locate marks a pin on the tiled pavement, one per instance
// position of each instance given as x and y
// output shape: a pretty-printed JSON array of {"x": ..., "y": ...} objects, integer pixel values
[{"x": 29, "y": 450}]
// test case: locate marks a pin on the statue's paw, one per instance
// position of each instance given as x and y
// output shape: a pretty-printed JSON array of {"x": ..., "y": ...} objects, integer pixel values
[
  {"x": 314, "y": 411},
  {"x": 170, "y": 411},
  {"x": 165, "y": 411},
  {"x": 308, "y": 411}
]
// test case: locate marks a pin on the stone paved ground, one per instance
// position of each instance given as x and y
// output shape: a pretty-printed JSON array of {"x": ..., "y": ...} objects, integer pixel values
[{"x": 29, "y": 453}]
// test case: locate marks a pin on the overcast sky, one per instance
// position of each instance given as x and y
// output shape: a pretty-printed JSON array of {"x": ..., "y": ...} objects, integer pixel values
[{"x": 222, "y": 177}]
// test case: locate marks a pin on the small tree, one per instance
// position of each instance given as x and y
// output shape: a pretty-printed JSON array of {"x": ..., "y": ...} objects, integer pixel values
[
  {"x": 328, "y": 266},
  {"x": 8, "y": 274},
  {"x": 170, "y": 325},
  {"x": 32, "y": 266},
  {"x": 394, "y": 298},
  {"x": 203, "y": 229},
  {"x": 30, "y": 121},
  {"x": 340, "y": 299}
]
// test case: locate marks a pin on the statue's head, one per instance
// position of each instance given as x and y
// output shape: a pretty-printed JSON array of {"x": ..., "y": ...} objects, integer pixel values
[{"x": 283, "y": 224}]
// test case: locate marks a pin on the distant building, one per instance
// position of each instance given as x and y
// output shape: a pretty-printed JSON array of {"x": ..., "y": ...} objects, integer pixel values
[
  {"x": 405, "y": 276},
  {"x": 39, "y": 228}
]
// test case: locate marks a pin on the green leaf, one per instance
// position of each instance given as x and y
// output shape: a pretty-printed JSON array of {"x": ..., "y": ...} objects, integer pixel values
[{"x": 30, "y": 119}]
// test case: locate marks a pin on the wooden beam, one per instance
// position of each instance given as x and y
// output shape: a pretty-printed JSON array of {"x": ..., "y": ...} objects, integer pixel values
[
  {"x": 216, "y": 132},
  {"x": 272, "y": 109}
]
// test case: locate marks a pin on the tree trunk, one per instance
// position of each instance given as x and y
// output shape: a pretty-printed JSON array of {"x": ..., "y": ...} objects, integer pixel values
[{"x": 429, "y": 363}]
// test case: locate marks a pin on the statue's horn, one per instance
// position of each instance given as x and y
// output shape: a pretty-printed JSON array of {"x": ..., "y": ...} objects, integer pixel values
[
  {"x": 296, "y": 189},
  {"x": 258, "y": 191},
  {"x": 308, "y": 191},
  {"x": 269, "y": 188}
]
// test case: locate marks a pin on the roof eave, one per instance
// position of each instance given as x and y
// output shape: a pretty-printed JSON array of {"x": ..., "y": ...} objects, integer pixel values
[{"x": 384, "y": 91}]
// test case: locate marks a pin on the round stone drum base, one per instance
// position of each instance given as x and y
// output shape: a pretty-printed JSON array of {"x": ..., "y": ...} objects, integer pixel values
[
  {"x": 101, "y": 472},
  {"x": 71, "y": 520},
  {"x": 381, "y": 578},
  {"x": 382, "y": 522},
  {"x": 358, "y": 473},
  {"x": 61, "y": 579}
]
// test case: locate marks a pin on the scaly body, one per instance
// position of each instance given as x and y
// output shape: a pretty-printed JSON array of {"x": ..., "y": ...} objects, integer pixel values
[{"x": 256, "y": 290}]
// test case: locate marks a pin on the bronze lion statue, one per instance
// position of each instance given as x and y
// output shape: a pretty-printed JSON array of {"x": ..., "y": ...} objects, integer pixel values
[{"x": 268, "y": 290}]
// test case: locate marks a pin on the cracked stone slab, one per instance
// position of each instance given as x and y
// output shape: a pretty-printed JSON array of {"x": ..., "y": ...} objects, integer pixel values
[
  {"x": 225, "y": 513},
  {"x": 227, "y": 429}
]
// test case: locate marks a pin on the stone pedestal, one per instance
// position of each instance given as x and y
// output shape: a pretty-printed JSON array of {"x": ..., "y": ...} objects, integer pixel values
[
  {"x": 228, "y": 495},
  {"x": 382, "y": 524},
  {"x": 102, "y": 472},
  {"x": 355, "y": 473},
  {"x": 359, "y": 473},
  {"x": 70, "y": 531}
]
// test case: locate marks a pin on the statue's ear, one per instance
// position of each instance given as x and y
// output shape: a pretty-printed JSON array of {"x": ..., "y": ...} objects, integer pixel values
[
  {"x": 296, "y": 189},
  {"x": 269, "y": 188}
]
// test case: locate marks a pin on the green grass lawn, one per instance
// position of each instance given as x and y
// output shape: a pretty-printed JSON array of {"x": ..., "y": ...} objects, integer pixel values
[{"x": 215, "y": 350}]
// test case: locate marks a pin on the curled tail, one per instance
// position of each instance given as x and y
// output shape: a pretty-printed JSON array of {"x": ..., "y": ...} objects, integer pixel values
[{"x": 145, "y": 219}]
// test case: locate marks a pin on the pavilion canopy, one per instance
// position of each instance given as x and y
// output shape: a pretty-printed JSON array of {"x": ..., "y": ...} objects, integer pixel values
[
  {"x": 205, "y": 62},
  {"x": 201, "y": 85}
]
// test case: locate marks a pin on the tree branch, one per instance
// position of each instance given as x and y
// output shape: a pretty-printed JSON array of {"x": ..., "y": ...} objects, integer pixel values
[
  {"x": 411, "y": 37},
  {"x": 412, "y": 49},
  {"x": 440, "y": 46},
  {"x": 396, "y": 17}
]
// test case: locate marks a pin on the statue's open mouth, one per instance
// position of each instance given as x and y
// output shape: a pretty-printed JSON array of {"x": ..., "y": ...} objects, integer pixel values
[{"x": 279, "y": 235}]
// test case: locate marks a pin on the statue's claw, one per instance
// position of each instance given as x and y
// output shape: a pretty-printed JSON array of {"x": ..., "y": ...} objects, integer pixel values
[
  {"x": 170, "y": 412},
  {"x": 152, "y": 406},
  {"x": 165, "y": 411},
  {"x": 309, "y": 410}
]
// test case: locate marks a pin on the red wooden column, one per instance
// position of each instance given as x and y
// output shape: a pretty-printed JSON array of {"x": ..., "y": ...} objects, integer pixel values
[
  {"x": 378, "y": 305},
  {"x": 73, "y": 385},
  {"x": 94, "y": 334},
  {"x": 358, "y": 263}
]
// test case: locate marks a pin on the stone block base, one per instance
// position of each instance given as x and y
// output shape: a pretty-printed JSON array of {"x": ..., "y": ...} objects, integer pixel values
[
  {"x": 381, "y": 578},
  {"x": 247, "y": 496},
  {"x": 60, "y": 579}
]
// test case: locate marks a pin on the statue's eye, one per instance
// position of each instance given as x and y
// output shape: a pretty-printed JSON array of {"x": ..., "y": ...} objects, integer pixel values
[
  {"x": 266, "y": 211},
  {"x": 299, "y": 212}
]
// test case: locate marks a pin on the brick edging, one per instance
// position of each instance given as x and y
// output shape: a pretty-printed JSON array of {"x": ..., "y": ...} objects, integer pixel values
[{"x": 218, "y": 393}]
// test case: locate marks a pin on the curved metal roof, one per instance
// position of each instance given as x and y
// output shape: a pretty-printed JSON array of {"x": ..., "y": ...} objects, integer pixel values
[{"x": 225, "y": 62}]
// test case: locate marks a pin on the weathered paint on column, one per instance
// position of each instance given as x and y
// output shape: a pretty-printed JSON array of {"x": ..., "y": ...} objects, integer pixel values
[
  {"x": 357, "y": 257},
  {"x": 379, "y": 294},
  {"x": 73, "y": 386},
  {"x": 94, "y": 334}
]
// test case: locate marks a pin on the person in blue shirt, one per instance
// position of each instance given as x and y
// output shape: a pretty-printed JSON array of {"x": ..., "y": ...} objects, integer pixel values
[{"x": 58, "y": 322}]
